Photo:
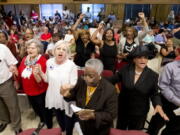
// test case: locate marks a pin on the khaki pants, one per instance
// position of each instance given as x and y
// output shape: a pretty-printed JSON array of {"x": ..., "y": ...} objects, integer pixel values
[
  {"x": 10, "y": 111},
  {"x": 4, "y": 113}
]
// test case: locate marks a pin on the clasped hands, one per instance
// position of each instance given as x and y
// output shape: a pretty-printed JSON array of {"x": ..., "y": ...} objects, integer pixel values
[
  {"x": 36, "y": 69},
  {"x": 158, "y": 109}
]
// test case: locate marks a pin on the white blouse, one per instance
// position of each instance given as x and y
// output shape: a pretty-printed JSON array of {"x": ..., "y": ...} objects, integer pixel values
[{"x": 57, "y": 75}]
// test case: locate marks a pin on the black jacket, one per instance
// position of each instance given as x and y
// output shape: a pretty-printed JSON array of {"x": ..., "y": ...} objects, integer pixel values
[
  {"x": 103, "y": 101},
  {"x": 134, "y": 99}
]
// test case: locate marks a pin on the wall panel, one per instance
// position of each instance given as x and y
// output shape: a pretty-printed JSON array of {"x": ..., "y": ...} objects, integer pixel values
[{"x": 160, "y": 12}]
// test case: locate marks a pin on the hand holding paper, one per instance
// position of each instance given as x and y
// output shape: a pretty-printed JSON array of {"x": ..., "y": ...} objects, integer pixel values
[
  {"x": 86, "y": 114},
  {"x": 75, "y": 108},
  {"x": 177, "y": 111}
]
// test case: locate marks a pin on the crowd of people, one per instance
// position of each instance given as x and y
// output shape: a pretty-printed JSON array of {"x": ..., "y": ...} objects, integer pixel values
[{"x": 44, "y": 59}]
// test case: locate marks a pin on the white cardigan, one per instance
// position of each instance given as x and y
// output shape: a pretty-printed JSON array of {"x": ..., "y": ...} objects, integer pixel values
[{"x": 137, "y": 39}]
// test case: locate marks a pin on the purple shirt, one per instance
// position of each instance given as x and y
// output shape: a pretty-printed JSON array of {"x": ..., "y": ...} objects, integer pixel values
[
  {"x": 159, "y": 38},
  {"x": 169, "y": 82}
]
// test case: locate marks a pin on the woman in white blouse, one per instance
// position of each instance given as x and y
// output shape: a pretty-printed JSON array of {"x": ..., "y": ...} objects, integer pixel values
[{"x": 60, "y": 71}]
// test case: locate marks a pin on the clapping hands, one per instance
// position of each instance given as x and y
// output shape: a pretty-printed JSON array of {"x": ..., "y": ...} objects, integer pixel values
[{"x": 36, "y": 69}]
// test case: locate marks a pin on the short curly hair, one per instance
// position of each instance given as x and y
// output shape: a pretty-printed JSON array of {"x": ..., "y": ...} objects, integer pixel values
[
  {"x": 130, "y": 27},
  {"x": 37, "y": 43}
]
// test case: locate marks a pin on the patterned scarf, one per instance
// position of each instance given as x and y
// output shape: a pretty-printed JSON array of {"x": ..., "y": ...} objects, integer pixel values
[{"x": 29, "y": 62}]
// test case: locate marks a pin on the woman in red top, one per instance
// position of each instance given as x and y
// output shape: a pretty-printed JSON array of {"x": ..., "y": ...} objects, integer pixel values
[
  {"x": 34, "y": 16},
  {"x": 46, "y": 37},
  {"x": 30, "y": 80}
]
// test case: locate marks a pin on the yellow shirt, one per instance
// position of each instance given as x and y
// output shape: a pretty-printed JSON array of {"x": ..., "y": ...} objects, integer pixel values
[{"x": 89, "y": 93}]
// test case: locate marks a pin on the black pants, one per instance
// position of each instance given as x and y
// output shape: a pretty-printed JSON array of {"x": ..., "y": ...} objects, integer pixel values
[
  {"x": 38, "y": 105},
  {"x": 66, "y": 123},
  {"x": 45, "y": 44},
  {"x": 172, "y": 126},
  {"x": 131, "y": 122}
]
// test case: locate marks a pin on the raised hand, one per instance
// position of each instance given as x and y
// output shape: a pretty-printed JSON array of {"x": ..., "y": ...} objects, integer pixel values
[
  {"x": 81, "y": 16},
  {"x": 101, "y": 26},
  {"x": 65, "y": 90},
  {"x": 141, "y": 15}
]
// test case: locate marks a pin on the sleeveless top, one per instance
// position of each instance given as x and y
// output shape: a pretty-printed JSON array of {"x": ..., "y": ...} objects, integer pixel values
[{"x": 108, "y": 56}]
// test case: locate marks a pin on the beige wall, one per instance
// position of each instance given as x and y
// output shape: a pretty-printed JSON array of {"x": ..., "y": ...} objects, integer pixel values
[{"x": 93, "y": 1}]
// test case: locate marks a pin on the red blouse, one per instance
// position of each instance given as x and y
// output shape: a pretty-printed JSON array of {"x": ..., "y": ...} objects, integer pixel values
[
  {"x": 46, "y": 36},
  {"x": 30, "y": 86}
]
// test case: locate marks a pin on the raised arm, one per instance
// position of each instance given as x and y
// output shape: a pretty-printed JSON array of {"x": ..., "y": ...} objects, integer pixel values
[
  {"x": 142, "y": 34},
  {"x": 74, "y": 27},
  {"x": 77, "y": 22},
  {"x": 94, "y": 38}
]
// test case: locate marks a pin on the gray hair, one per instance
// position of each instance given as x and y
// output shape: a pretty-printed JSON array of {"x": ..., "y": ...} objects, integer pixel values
[
  {"x": 37, "y": 43},
  {"x": 95, "y": 64},
  {"x": 62, "y": 42}
]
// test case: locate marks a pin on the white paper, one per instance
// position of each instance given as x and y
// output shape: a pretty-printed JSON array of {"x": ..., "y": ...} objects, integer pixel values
[
  {"x": 177, "y": 111},
  {"x": 75, "y": 108}
]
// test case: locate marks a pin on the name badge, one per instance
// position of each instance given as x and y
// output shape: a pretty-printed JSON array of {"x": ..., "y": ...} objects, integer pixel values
[{"x": 51, "y": 67}]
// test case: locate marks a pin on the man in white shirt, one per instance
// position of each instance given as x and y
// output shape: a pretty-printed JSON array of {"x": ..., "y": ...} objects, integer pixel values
[
  {"x": 65, "y": 13},
  {"x": 88, "y": 14},
  {"x": 8, "y": 94}
]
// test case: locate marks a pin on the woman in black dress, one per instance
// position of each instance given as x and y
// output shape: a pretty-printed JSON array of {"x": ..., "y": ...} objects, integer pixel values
[
  {"x": 106, "y": 48},
  {"x": 85, "y": 48}
]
